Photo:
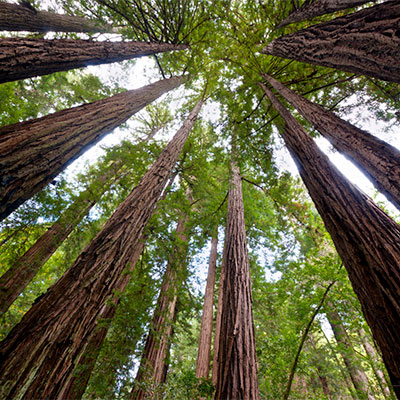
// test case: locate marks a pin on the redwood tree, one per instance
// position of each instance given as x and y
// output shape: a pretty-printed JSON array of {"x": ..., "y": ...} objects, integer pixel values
[
  {"x": 22, "y": 58},
  {"x": 204, "y": 352},
  {"x": 39, "y": 355},
  {"x": 237, "y": 364},
  {"x": 366, "y": 42},
  {"x": 15, "y": 280},
  {"x": 33, "y": 152},
  {"x": 320, "y": 7},
  {"x": 378, "y": 159},
  {"x": 23, "y": 17},
  {"x": 152, "y": 369},
  {"x": 367, "y": 240}
]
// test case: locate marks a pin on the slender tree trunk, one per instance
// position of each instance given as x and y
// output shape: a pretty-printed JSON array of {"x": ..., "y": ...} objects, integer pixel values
[
  {"x": 379, "y": 160},
  {"x": 22, "y": 58},
  {"x": 217, "y": 334},
  {"x": 237, "y": 364},
  {"x": 320, "y": 7},
  {"x": 371, "y": 353},
  {"x": 357, "y": 375},
  {"x": 152, "y": 370},
  {"x": 15, "y": 17},
  {"x": 39, "y": 355},
  {"x": 204, "y": 352},
  {"x": 367, "y": 240},
  {"x": 366, "y": 42},
  {"x": 321, "y": 373},
  {"x": 17, "y": 278},
  {"x": 33, "y": 152}
]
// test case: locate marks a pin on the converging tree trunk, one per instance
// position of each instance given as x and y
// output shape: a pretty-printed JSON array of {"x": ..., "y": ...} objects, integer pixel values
[
  {"x": 378, "y": 159},
  {"x": 367, "y": 240},
  {"x": 22, "y": 58},
  {"x": 17, "y": 278},
  {"x": 33, "y": 152},
  {"x": 357, "y": 375},
  {"x": 40, "y": 353},
  {"x": 237, "y": 364},
  {"x": 204, "y": 352},
  {"x": 153, "y": 366},
  {"x": 22, "y": 17},
  {"x": 320, "y": 7},
  {"x": 366, "y": 42}
]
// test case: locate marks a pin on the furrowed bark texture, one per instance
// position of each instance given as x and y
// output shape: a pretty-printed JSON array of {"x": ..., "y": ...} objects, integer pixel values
[
  {"x": 15, "y": 280},
  {"x": 15, "y": 17},
  {"x": 76, "y": 384},
  {"x": 320, "y": 7},
  {"x": 33, "y": 152},
  {"x": 357, "y": 375},
  {"x": 217, "y": 334},
  {"x": 204, "y": 352},
  {"x": 40, "y": 353},
  {"x": 367, "y": 240},
  {"x": 379, "y": 160},
  {"x": 366, "y": 42},
  {"x": 237, "y": 364},
  {"x": 22, "y": 58},
  {"x": 153, "y": 366}
]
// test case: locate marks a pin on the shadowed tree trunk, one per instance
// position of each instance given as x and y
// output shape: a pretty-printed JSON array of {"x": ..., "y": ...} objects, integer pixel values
[
  {"x": 366, "y": 42},
  {"x": 15, "y": 280},
  {"x": 152, "y": 370},
  {"x": 237, "y": 364},
  {"x": 15, "y": 17},
  {"x": 357, "y": 375},
  {"x": 367, "y": 240},
  {"x": 40, "y": 353},
  {"x": 371, "y": 353},
  {"x": 33, "y": 152},
  {"x": 320, "y": 7},
  {"x": 204, "y": 352},
  {"x": 378, "y": 159},
  {"x": 22, "y": 58}
]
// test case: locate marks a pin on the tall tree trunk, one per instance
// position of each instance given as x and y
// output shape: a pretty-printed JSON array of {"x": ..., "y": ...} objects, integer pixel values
[
  {"x": 371, "y": 353},
  {"x": 75, "y": 386},
  {"x": 17, "y": 278},
  {"x": 320, "y": 7},
  {"x": 378, "y": 159},
  {"x": 40, "y": 353},
  {"x": 33, "y": 152},
  {"x": 237, "y": 364},
  {"x": 22, "y": 58},
  {"x": 152, "y": 370},
  {"x": 204, "y": 352},
  {"x": 15, "y": 17},
  {"x": 367, "y": 240},
  {"x": 217, "y": 334},
  {"x": 320, "y": 369},
  {"x": 357, "y": 375},
  {"x": 366, "y": 42}
]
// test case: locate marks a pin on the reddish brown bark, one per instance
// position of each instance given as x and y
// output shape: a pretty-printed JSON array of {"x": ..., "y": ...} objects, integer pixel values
[
  {"x": 357, "y": 375},
  {"x": 39, "y": 355},
  {"x": 320, "y": 7},
  {"x": 15, "y": 280},
  {"x": 22, "y": 58},
  {"x": 378, "y": 159},
  {"x": 15, "y": 17},
  {"x": 153, "y": 366},
  {"x": 366, "y": 42},
  {"x": 204, "y": 352},
  {"x": 33, "y": 152},
  {"x": 367, "y": 240},
  {"x": 237, "y": 364}
]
